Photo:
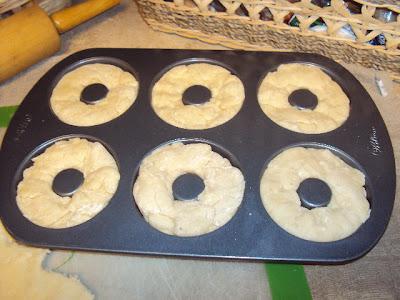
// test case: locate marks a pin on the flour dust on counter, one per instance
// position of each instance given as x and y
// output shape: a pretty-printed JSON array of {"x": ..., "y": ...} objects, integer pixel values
[{"x": 22, "y": 275}]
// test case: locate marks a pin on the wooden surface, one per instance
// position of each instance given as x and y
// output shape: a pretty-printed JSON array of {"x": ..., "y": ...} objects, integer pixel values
[
  {"x": 30, "y": 35},
  {"x": 26, "y": 38},
  {"x": 375, "y": 276}
]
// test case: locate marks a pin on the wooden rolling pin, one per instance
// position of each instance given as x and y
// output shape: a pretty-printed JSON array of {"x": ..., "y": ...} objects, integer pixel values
[{"x": 31, "y": 35}]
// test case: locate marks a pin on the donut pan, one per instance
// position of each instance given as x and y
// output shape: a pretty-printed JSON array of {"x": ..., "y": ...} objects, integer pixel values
[{"x": 249, "y": 140}]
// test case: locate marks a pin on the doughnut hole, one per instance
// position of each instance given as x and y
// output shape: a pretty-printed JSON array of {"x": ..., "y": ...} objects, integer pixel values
[
  {"x": 196, "y": 95},
  {"x": 303, "y": 99},
  {"x": 314, "y": 193},
  {"x": 67, "y": 182},
  {"x": 93, "y": 93},
  {"x": 187, "y": 187}
]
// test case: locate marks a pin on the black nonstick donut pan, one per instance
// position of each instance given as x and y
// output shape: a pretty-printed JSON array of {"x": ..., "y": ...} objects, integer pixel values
[{"x": 249, "y": 140}]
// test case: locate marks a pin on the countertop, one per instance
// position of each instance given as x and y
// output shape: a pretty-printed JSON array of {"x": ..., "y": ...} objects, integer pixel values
[{"x": 374, "y": 276}]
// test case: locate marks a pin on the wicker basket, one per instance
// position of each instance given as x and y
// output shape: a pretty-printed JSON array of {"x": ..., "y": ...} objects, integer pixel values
[
  {"x": 268, "y": 25},
  {"x": 8, "y": 7},
  {"x": 11, "y": 5}
]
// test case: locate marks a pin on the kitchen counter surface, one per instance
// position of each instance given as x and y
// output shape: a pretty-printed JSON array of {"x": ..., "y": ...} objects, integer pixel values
[{"x": 375, "y": 276}]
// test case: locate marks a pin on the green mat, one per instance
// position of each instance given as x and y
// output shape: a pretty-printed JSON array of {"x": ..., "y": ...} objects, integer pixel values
[
  {"x": 6, "y": 113},
  {"x": 286, "y": 281}
]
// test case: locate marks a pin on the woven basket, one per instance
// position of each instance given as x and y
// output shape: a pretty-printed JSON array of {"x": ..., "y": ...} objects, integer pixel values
[
  {"x": 264, "y": 25},
  {"x": 11, "y": 5},
  {"x": 8, "y": 7}
]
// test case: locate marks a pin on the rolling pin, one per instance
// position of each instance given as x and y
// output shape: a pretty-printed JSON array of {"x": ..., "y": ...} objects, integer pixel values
[{"x": 31, "y": 35}]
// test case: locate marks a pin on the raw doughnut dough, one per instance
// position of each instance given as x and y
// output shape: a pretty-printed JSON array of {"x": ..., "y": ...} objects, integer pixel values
[
  {"x": 215, "y": 206},
  {"x": 331, "y": 111},
  {"x": 22, "y": 276},
  {"x": 227, "y": 95},
  {"x": 346, "y": 211},
  {"x": 42, "y": 206},
  {"x": 65, "y": 100}
]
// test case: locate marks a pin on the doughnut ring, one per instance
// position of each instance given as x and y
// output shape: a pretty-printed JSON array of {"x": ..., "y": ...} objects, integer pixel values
[
  {"x": 331, "y": 111},
  {"x": 213, "y": 207},
  {"x": 66, "y": 101},
  {"x": 347, "y": 210},
  {"x": 227, "y": 96},
  {"x": 42, "y": 206}
]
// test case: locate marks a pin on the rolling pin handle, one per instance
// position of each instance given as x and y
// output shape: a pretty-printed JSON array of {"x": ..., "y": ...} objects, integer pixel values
[{"x": 71, "y": 17}]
